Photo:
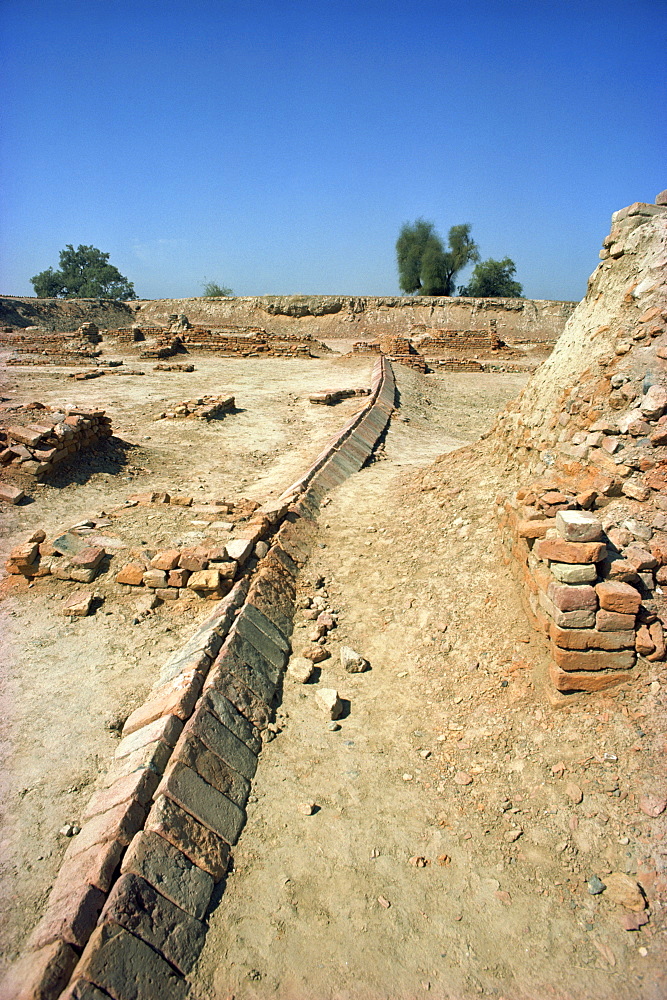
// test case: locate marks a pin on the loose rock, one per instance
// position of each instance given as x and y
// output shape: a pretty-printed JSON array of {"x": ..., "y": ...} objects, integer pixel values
[
  {"x": 352, "y": 661},
  {"x": 327, "y": 698}
]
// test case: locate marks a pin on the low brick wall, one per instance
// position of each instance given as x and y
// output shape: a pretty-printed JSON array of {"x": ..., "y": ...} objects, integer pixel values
[
  {"x": 54, "y": 436},
  {"x": 586, "y": 589},
  {"x": 126, "y": 917}
]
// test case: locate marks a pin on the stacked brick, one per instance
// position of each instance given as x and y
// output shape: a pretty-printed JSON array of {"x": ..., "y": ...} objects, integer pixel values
[
  {"x": 459, "y": 365},
  {"x": 336, "y": 396},
  {"x": 589, "y": 590},
  {"x": 204, "y": 408},
  {"x": 37, "y": 347},
  {"x": 37, "y": 448},
  {"x": 208, "y": 571},
  {"x": 455, "y": 340},
  {"x": 37, "y": 558},
  {"x": 366, "y": 347},
  {"x": 400, "y": 350}
]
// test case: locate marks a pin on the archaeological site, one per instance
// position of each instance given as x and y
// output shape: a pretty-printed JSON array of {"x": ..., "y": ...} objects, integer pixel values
[{"x": 334, "y": 632}]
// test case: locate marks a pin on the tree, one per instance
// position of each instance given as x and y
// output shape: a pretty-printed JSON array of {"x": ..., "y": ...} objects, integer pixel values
[
  {"x": 85, "y": 273},
  {"x": 212, "y": 290},
  {"x": 424, "y": 265},
  {"x": 493, "y": 279}
]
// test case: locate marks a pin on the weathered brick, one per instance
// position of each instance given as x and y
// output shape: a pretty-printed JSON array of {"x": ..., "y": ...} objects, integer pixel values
[
  {"x": 204, "y": 802},
  {"x": 95, "y": 866},
  {"x": 230, "y": 717},
  {"x": 203, "y": 847},
  {"x": 70, "y": 916},
  {"x": 138, "y": 785},
  {"x": 266, "y": 625},
  {"x": 178, "y": 577},
  {"x": 193, "y": 753},
  {"x": 222, "y": 741},
  {"x": 242, "y": 659},
  {"x": 138, "y": 907},
  {"x": 639, "y": 558},
  {"x": 167, "y": 728},
  {"x": 177, "y": 697},
  {"x": 89, "y": 558},
  {"x": 578, "y": 526},
  {"x": 570, "y": 552},
  {"x": 153, "y": 755},
  {"x": 127, "y": 968},
  {"x": 566, "y": 619},
  {"x": 39, "y": 975},
  {"x": 612, "y": 621},
  {"x": 533, "y": 529},
  {"x": 619, "y": 597},
  {"x": 578, "y": 638},
  {"x": 155, "y": 578},
  {"x": 166, "y": 560},
  {"x": 239, "y": 694},
  {"x": 575, "y": 659},
  {"x": 120, "y": 823},
  {"x": 193, "y": 559},
  {"x": 573, "y": 598},
  {"x": 81, "y": 989},
  {"x": 582, "y": 680},
  {"x": 276, "y": 654},
  {"x": 131, "y": 575},
  {"x": 170, "y": 871}
]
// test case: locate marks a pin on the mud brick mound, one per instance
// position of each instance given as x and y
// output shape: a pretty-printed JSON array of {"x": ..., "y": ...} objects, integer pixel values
[{"x": 587, "y": 531}]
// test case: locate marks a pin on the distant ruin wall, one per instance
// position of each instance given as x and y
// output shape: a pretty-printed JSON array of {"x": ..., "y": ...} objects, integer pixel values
[{"x": 321, "y": 316}]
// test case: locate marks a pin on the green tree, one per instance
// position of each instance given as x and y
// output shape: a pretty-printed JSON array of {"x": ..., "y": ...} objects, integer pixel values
[
  {"x": 212, "y": 290},
  {"x": 425, "y": 266},
  {"x": 493, "y": 279},
  {"x": 85, "y": 273}
]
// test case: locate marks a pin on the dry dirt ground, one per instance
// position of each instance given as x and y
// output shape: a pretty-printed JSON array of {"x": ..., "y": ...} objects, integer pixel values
[{"x": 446, "y": 855}]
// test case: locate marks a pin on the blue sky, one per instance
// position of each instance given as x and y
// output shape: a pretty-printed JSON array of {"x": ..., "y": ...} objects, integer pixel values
[{"x": 277, "y": 147}]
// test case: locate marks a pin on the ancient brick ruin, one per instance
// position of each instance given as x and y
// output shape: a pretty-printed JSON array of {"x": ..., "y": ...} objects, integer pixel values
[{"x": 37, "y": 438}]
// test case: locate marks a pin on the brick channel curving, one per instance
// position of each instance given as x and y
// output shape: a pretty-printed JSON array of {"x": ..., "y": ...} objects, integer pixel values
[{"x": 126, "y": 917}]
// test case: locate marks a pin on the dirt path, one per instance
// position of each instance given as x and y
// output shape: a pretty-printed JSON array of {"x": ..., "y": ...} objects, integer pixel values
[{"x": 446, "y": 856}]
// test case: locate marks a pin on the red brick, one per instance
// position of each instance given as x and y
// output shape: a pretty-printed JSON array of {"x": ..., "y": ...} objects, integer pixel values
[
  {"x": 658, "y": 547},
  {"x": 120, "y": 823},
  {"x": 128, "y": 969},
  {"x": 619, "y": 597},
  {"x": 193, "y": 559},
  {"x": 203, "y": 847},
  {"x": 178, "y": 577},
  {"x": 570, "y": 552},
  {"x": 643, "y": 643},
  {"x": 612, "y": 621},
  {"x": 39, "y": 975},
  {"x": 89, "y": 558},
  {"x": 70, "y": 916},
  {"x": 533, "y": 529},
  {"x": 657, "y": 634},
  {"x": 138, "y": 785},
  {"x": 575, "y": 659},
  {"x": 177, "y": 697},
  {"x": 578, "y": 598},
  {"x": 640, "y": 558},
  {"x": 167, "y": 560},
  {"x": 167, "y": 728},
  {"x": 582, "y": 638},
  {"x": 132, "y": 574},
  {"x": 565, "y": 681},
  {"x": 96, "y": 866}
]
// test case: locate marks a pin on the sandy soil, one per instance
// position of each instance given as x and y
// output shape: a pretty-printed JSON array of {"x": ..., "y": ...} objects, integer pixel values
[
  {"x": 405, "y": 882},
  {"x": 497, "y": 905}
]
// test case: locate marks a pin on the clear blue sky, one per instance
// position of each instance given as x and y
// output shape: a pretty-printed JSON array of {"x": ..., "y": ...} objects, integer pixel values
[{"x": 276, "y": 146}]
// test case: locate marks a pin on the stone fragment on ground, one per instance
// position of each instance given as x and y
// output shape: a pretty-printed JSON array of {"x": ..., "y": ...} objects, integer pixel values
[
  {"x": 300, "y": 669},
  {"x": 353, "y": 662},
  {"x": 328, "y": 700}
]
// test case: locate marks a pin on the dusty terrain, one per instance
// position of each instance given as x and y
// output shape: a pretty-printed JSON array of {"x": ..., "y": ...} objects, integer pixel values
[{"x": 447, "y": 855}]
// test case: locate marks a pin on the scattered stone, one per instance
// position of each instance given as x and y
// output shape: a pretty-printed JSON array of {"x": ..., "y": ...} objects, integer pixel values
[
  {"x": 333, "y": 727},
  {"x": 418, "y": 861},
  {"x": 327, "y": 699},
  {"x": 353, "y": 662},
  {"x": 511, "y": 835},
  {"x": 300, "y": 669},
  {"x": 11, "y": 494},
  {"x": 315, "y": 653},
  {"x": 462, "y": 778},
  {"x": 79, "y": 604},
  {"x": 574, "y": 793},
  {"x": 384, "y": 902},
  {"x": 625, "y": 891},
  {"x": 307, "y": 808},
  {"x": 653, "y": 805},
  {"x": 595, "y": 885},
  {"x": 634, "y": 921}
]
